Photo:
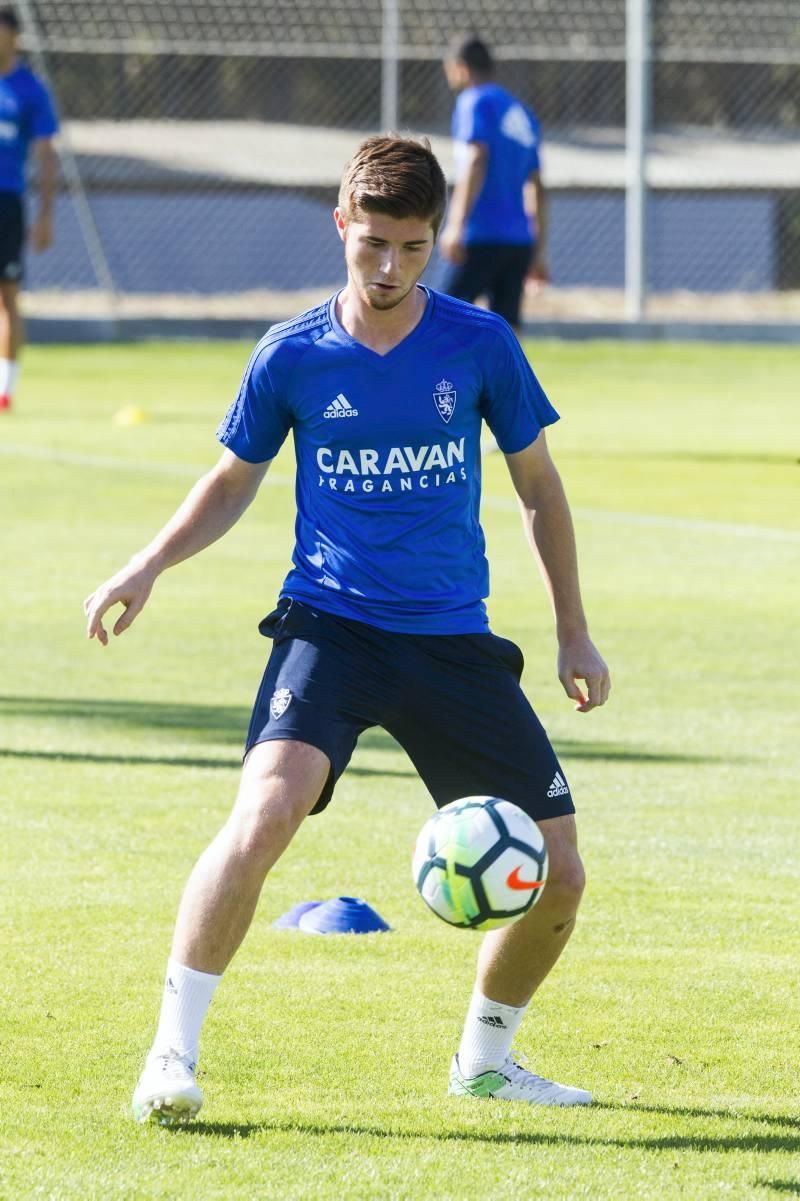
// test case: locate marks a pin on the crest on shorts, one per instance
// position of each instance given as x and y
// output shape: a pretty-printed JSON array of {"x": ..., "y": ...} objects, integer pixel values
[
  {"x": 280, "y": 702},
  {"x": 444, "y": 398}
]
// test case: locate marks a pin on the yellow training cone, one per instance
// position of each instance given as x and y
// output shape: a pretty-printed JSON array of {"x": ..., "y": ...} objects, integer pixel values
[{"x": 130, "y": 415}]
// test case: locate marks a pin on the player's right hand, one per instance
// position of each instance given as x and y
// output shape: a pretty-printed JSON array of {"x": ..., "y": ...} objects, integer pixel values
[
  {"x": 41, "y": 236},
  {"x": 451, "y": 247},
  {"x": 130, "y": 587}
]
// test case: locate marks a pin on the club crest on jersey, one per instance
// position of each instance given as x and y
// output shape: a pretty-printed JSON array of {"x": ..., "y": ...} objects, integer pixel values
[
  {"x": 444, "y": 398},
  {"x": 280, "y": 702}
]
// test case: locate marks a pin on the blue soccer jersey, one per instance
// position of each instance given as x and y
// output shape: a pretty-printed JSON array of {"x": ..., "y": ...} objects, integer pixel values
[
  {"x": 388, "y": 458},
  {"x": 26, "y": 113},
  {"x": 489, "y": 114}
]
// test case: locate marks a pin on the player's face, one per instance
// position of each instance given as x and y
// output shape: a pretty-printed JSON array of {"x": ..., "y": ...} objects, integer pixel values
[
  {"x": 8, "y": 43},
  {"x": 385, "y": 256},
  {"x": 456, "y": 74}
]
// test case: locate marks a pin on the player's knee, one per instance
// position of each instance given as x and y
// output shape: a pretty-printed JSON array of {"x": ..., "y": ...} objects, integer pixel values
[
  {"x": 8, "y": 302},
  {"x": 261, "y": 829},
  {"x": 566, "y": 878},
  {"x": 268, "y": 811}
]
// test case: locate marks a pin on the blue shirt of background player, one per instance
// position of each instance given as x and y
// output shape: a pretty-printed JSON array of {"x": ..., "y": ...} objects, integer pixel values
[
  {"x": 26, "y": 113},
  {"x": 489, "y": 114},
  {"x": 388, "y": 458}
]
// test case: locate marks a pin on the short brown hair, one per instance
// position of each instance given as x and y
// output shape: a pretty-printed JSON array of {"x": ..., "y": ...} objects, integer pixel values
[
  {"x": 472, "y": 51},
  {"x": 395, "y": 175},
  {"x": 9, "y": 18}
]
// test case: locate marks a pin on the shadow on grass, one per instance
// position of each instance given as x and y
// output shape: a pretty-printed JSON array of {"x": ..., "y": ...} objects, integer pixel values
[
  {"x": 724, "y": 458},
  {"x": 222, "y": 723},
  {"x": 783, "y": 1120},
  {"x": 667, "y": 1142},
  {"x": 166, "y": 761},
  {"x": 228, "y": 724},
  {"x": 781, "y": 1186},
  {"x": 573, "y": 749}
]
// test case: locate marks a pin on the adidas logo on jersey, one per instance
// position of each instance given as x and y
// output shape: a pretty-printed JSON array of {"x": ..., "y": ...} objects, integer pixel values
[
  {"x": 558, "y": 787},
  {"x": 516, "y": 126},
  {"x": 340, "y": 407}
]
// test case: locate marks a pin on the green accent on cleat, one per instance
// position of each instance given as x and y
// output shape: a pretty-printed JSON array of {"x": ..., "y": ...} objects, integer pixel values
[
  {"x": 478, "y": 1086},
  {"x": 514, "y": 1083}
]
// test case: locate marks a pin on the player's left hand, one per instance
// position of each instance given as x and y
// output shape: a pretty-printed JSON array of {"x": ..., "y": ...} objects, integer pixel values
[
  {"x": 41, "y": 233},
  {"x": 579, "y": 659},
  {"x": 451, "y": 247},
  {"x": 538, "y": 275}
]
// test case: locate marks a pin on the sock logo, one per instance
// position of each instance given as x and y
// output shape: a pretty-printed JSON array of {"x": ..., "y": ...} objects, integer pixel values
[
  {"x": 495, "y": 1022},
  {"x": 170, "y": 987}
]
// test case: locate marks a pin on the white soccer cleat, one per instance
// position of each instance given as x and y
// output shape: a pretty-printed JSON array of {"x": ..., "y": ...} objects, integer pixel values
[
  {"x": 167, "y": 1092},
  {"x": 514, "y": 1083}
]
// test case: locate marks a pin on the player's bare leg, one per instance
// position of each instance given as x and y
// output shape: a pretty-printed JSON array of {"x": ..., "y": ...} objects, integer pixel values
[
  {"x": 10, "y": 340},
  {"x": 512, "y": 963},
  {"x": 280, "y": 784}
]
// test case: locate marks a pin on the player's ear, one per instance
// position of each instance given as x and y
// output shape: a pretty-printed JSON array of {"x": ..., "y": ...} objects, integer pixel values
[{"x": 341, "y": 222}]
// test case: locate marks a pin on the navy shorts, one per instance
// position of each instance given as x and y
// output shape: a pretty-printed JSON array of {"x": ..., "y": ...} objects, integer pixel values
[
  {"x": 496, "y": 270},
  {"x": 12, "y": 237},
  {"x": 453, "y": 702}
]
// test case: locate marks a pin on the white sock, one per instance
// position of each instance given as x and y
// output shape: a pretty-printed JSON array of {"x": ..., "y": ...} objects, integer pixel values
[
  {"x": 488, "y": 1033},
  {"x": 9, "y": 370},
  {"x": 187, "y": 996}
]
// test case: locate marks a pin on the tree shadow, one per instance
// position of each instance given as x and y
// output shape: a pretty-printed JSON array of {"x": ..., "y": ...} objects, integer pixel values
[
  {"x": 223, "y": 723},
  {"x": 744, "y": 458},
  {"x": 206, "y": 722},
  {"x": 166, "y": 761},
  {"x": 228, "y": 724},
  {"x": 123, "y": 760},
  {"x": 573, "y": 749}
]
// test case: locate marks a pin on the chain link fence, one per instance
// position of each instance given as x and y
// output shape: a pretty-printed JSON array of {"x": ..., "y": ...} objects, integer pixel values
[{"x": 203, "y": 143}]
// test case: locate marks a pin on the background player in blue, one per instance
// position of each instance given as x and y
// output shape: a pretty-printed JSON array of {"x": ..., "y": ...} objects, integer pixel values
[
  {"x": 381, "y": 620},
  {"x": 26, "y": 118},
  {"x": 494, "y": 236}
]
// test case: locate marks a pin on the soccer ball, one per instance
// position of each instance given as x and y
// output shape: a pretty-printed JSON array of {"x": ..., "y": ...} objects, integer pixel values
[{"x": 480, "y": 863}]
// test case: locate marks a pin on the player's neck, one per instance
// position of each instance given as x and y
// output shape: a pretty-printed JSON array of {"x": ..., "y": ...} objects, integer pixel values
[
  {"x": 7, "y": 64},
  {"x": 380, "y": 329}
]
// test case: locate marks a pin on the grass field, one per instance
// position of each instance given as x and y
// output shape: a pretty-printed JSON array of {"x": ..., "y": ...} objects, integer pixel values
[{"x": 324, "y": 1060}]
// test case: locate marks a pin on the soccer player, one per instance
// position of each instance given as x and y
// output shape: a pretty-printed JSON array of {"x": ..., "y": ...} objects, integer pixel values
[
  {"x": 381, "y": 620},
  {"x": 494, "y": 236},
  {"x": 26, "y": 116}
]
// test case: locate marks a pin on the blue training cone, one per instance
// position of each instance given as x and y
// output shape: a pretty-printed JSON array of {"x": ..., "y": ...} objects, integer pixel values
[
  {"x": 342, "y": 915},
  {"x": 291, "y": 919}
]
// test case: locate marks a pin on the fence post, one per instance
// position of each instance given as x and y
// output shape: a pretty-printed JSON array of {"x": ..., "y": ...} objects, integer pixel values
[
  {"x": 637, "y": 120},
  {"x": 390, "y": 51}
]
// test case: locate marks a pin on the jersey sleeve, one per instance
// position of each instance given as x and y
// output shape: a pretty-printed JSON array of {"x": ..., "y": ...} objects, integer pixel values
[
  {"x": 473, "y": 119},
  {"x": 44, "y": 123},
  {"x": 514, "y": 404},
  {"x": 257, "y": 423}
]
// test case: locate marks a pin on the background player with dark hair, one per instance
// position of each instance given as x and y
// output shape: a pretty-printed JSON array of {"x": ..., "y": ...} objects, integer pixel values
[
  {"x": 494, "y": 236},
  {"x": 381, "y": 620},
  {"x": 26, "y": 118}
]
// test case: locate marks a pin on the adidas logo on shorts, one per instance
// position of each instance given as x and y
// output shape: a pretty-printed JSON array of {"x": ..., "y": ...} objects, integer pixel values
[
  {"x": 340, "y": 407},
  {"x": 558, "y": 787}
]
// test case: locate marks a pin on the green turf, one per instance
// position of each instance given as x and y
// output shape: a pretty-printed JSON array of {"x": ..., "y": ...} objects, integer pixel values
[{"x": 325, "y": 1060}]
